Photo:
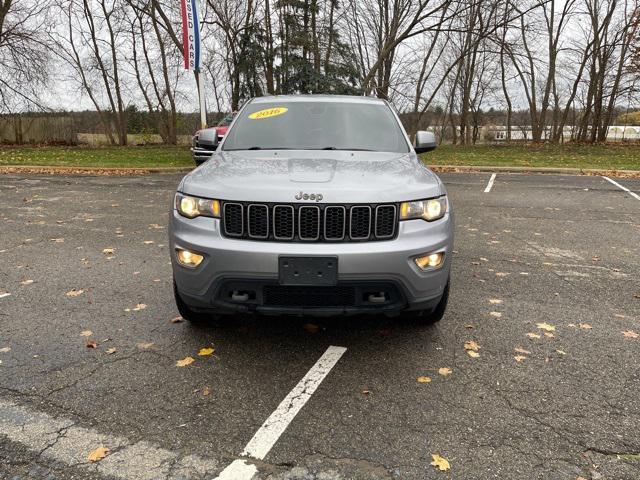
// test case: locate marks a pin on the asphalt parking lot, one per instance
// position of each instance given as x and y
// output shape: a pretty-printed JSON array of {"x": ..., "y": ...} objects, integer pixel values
[{"x": 545, "y": 282}]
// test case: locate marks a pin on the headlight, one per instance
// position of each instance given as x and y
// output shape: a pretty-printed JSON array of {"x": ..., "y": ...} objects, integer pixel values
[
  {"x": 428, "y": 210},
  {"x": 192, "y": 207}
]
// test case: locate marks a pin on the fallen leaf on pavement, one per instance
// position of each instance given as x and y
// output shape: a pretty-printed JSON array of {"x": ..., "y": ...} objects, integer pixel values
[
  {"x": 92, "y": 344},
  {"x": 98, "y": 454},
  {"x": 148, "y": 242},
  {"x": 5, "y": 349},
  {"x": 184, "y": 362},
  {"x": 206, "y": 391},
  {"x": 311, "y": 327},
  {"x": 534, "y": 335},
  {"x": 549, "y": 334},
  {"x": 495, "y": 301},
  {"x": 501, "y": 274},
  {"x": 473, "y": 354},
  {"x": 177, "y": 319},
  {"x": 520, "y": 358},
  {"x": 138, "y": 307},
  {"x": 74, "y": 293},
  {"x": 26, "y": 282},
  {"x": 444, "y": 371},
  {"x": 561, "y": 352},
  {"x": 440, "y": 463},
  {"x": 206, "y": 351},
  {"x": 145, "y": 345},
  {"x": 471, "y": 345},
  {"x": 522, "y": 350},
  {"x": 6, "y": 294},
  {"x": 86, "y": 333},
  {"x": 365, "y": 392},
  {"x": 109, "y": 251},
  {"x": 546, "y": 326},
  {"x": 423, "y": 379},
  {"x": 631, "y": 334},
  {"x": 585, "y": 326},
  {"x": 495, "y": 314},
  {"x": 110, "y": 351}
]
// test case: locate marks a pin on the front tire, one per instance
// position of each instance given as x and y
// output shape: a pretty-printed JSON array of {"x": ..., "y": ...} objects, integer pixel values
[{"x": 429, "y": 317}]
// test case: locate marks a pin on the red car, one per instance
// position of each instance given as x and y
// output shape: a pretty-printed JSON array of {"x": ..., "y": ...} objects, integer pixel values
[
  {"x": 223, "y": 125},
  {"x": 201, "y": 150}
]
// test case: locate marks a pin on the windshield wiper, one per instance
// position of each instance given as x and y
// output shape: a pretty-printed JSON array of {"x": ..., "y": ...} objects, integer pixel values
[
  {"x": 352, "y": 149},
  {"x": 258, "y": 148}
]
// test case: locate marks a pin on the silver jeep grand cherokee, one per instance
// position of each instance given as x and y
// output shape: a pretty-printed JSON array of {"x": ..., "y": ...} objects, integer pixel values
[{"x": 313, "y": 205}]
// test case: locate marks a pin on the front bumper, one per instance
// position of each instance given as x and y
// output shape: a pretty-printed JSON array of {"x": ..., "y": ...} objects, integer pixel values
[
  {"x": 200, "y": 155},
  {"x": 359, "y": 263}
]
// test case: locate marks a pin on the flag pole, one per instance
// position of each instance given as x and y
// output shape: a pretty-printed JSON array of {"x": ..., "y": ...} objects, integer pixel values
[{"x": 201, "y": 101}]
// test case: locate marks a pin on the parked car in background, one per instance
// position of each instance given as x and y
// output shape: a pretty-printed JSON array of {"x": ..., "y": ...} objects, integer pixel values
[
  {"x": 223, "y": 125},
  {"x": 204, "y": 141},
  {"x": 314, "y": 205}
]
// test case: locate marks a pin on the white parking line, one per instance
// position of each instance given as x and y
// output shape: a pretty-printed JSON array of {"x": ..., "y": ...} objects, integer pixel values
[
  {"x": 268, "y": 434},
  {"x": 634, "y": 195},
  {"x": 490, "y": 184}
]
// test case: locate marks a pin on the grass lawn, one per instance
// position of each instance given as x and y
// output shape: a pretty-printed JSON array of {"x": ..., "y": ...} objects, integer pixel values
[
  {"x": 148, "y": 156},
  {"x": 604, "y": 157}
]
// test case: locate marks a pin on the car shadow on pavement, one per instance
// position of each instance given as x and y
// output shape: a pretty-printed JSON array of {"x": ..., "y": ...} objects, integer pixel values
[{"x": 254, "y": 331}]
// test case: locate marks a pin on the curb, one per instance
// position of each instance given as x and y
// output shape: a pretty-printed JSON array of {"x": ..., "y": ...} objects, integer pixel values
[
  {"x": 124, "y": 171},
  {"x": 543, "y": 170},
  {"x": 101, "y": 171}
]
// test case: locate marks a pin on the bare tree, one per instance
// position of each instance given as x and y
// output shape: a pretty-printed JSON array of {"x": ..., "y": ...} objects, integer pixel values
[
  {"x": 24, "y": 53},
  {"x": 612, "y": 29},
  {"x": 535, "y": 64},
  {"x": 156, "y": 68},
  {"x": 91, "y": 46}
]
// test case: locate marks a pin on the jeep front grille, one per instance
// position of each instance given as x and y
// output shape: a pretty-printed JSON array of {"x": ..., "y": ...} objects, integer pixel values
[{"x": 309, "y": 223}]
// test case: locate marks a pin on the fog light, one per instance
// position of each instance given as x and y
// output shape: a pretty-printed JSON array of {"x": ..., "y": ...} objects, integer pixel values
[
  {"x": 431, "y": 261},
  {"x": 187, "y": 258}
]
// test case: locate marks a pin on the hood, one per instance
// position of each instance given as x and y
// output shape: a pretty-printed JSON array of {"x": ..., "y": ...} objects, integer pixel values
[{"x": 338, "y": 176}]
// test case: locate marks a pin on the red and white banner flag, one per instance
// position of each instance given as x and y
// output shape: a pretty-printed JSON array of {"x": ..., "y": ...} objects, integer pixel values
[{"x": 191, "y": 34}]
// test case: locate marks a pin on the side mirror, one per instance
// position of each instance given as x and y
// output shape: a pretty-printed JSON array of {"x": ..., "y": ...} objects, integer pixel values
[
  {"x": 208, "y": 139},
  {"x": 425, "y": 142}
]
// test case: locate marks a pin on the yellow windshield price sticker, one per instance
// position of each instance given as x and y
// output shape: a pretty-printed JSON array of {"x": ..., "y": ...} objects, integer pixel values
[{"x": 268, "y": 113}]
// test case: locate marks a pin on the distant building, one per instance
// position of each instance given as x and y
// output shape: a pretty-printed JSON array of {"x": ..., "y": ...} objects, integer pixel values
[{"x": 616, "y": 133}]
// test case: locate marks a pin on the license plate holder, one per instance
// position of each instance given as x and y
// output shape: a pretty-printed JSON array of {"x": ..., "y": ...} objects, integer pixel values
[{"x": 307, "y": 270}]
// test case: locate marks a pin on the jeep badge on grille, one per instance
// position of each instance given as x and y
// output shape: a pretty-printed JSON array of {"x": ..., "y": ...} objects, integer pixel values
[{"x": 309, "y": 196}]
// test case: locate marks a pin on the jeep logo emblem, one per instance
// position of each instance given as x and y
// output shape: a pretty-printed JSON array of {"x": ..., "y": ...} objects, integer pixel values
[{"x": 309, "y": 196}]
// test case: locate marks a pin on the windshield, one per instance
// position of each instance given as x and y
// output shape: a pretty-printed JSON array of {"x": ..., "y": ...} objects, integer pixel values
[
  {"x": 226, "y": 121},
  {"x": 323, "y": 125}
]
